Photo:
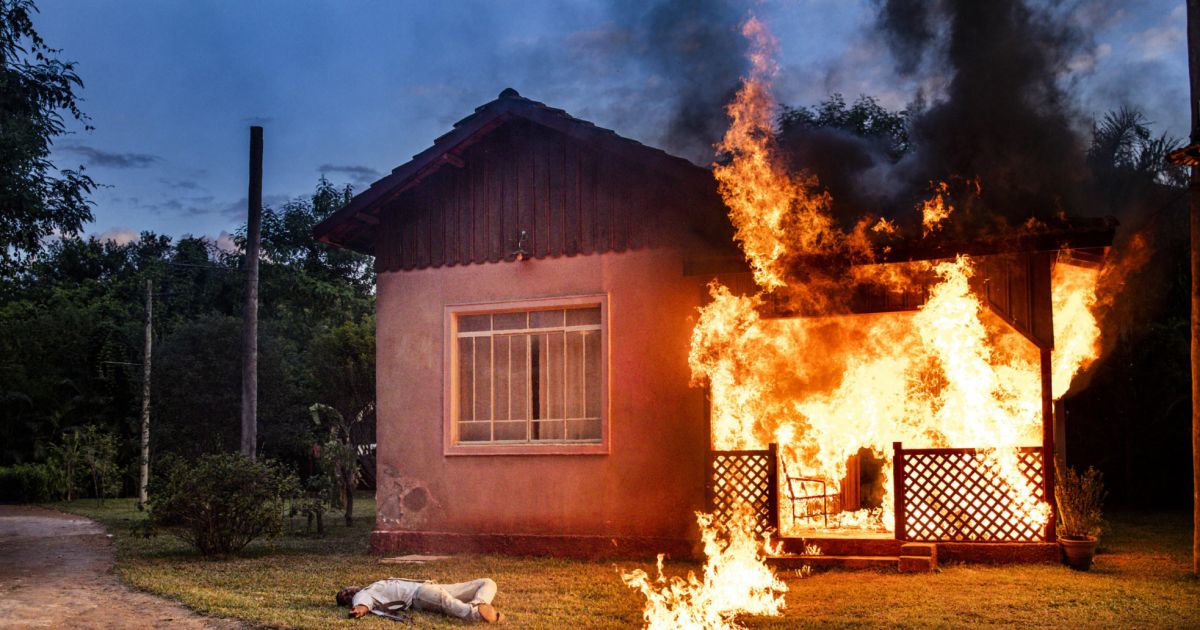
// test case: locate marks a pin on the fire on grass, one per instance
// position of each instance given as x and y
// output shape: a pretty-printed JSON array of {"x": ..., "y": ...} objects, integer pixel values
[{"x": 826, "y": 385}]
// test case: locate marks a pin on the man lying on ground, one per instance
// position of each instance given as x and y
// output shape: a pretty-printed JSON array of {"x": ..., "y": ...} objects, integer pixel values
[{"x": 465, "y": 600}]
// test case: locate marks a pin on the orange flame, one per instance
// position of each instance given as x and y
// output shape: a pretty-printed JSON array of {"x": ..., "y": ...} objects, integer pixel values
[{"x": 735, "y": 580}]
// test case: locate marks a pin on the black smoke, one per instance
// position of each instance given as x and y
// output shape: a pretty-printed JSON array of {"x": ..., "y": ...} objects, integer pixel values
[{"x": 695, "y": 55}]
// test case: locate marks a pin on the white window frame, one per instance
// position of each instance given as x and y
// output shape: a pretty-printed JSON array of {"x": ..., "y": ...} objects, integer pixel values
[{"x": 450, "y": 397}]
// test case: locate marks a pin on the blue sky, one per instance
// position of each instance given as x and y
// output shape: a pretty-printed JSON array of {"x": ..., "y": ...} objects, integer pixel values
[{"x": 353, "y": 89}]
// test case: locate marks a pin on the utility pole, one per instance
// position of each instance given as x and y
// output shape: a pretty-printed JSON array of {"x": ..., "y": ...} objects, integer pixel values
[
  {"x": 144, "y": 476},
  {"x": 250, "y": 311},
  {"x": 1193, "y": 31},
  {"x": 1190, "y": 156}
]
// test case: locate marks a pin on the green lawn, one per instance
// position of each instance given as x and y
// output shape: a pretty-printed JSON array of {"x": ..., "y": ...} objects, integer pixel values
[{"x": 1141, "y": 580}]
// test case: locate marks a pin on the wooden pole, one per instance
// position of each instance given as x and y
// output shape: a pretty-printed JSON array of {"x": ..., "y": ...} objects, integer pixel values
[
  {"x": 144, "y": 473},
  {"x": 900, "y": 492},
  {"x": 1048, "y": 440},
  {"x": 1193, "y": 31},
  {"x": 250, "y": 310}
]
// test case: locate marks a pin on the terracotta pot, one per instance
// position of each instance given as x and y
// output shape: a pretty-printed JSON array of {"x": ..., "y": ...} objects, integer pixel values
[{"x": 1078, "y": 551}]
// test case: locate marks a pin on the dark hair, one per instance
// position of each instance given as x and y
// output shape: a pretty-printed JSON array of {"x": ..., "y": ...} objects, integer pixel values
[{"x": 346, "y": 595}]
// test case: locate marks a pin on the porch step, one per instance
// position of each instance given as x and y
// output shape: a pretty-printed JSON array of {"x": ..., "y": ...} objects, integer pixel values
[
  {"x": 843, "y": 546},
  {"x": 852, "y": 563}
]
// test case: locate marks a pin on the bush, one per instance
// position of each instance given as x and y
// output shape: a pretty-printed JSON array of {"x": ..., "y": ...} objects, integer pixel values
[
  {"x": 219, "y": 503},
  {"x": 25, "y": 483},
  {"x": 1080, "y": 501}
]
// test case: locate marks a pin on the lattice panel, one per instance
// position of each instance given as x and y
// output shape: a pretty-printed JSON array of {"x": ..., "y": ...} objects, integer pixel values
[
  {"x": 949, "y": 496},
  {"x": 743, "y": 477}
]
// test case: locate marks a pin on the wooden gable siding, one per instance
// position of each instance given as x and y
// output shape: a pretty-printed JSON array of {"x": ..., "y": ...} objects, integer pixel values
[
  {"x": 567, "y": 197},
  {"x": 1017, "y": 288}
]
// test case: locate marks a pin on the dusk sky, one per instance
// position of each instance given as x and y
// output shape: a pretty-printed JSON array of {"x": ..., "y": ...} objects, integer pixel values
[{"x": 353, "y": 89}]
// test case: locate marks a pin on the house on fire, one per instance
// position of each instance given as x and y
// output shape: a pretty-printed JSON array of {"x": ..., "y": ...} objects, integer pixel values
[
  {"x": 535, "y": 302},
  {"x": 538, "y": 282}
]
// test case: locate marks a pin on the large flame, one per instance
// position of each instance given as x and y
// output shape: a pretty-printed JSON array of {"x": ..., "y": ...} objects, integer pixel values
[{"x": 825, "y": 385}]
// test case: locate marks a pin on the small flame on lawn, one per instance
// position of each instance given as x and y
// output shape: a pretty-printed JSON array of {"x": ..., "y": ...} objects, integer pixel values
[{"x": 735, "y": 580}]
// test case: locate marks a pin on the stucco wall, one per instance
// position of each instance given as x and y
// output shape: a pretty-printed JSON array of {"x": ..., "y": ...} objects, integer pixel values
[{"x": 647, "y": 486}]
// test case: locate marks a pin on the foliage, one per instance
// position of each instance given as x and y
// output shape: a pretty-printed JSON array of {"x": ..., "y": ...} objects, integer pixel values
[
  {"x": 98, "y": 456},
  {"x": 68, "y": 457},
  {"x": 865, "y": 118},
  {"x": 1080, "y": 501},
  {"x": 1123, "y": 143},
  {"x": 220, "y": 503},
  {"x": 26, "y": 483},
  {"x": 71, "y": 340},
  {"x": 36, "y": 89},
  {"x": 339, "y": 454}
]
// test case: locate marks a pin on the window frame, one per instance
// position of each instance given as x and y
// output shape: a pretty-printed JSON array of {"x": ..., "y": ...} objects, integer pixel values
[{"x": 450, "y": 378}]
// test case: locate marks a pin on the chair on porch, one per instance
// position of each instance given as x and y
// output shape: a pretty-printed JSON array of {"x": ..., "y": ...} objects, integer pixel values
[{"x": 803, "y": 492}]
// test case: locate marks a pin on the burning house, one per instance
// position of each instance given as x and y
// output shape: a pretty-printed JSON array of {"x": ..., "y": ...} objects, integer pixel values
[{"x": 545, "y": 315}]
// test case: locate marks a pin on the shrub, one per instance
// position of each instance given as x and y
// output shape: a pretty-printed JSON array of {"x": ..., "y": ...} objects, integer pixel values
[
  {"x": 25, "y": 483},
  {"x": 219, "y": 503},
  {"x": 1080, "y": 501}
]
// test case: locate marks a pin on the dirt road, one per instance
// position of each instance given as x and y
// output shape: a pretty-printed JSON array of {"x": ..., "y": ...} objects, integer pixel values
[{"x": 56, "y": 572}]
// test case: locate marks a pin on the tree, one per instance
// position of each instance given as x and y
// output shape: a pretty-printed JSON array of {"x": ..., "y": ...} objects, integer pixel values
[
  {"x": 36, "y": 89},
  {"x": 866, "y": 118},
  {"x": 98, "y": 454}
]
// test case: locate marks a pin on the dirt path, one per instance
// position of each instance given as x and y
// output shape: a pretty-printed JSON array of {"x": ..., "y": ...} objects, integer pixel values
[{"x": 56, "y": 572}]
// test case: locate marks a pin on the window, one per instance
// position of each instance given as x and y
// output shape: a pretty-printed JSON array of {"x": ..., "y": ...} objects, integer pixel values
[{"x": 530, "y": 377}]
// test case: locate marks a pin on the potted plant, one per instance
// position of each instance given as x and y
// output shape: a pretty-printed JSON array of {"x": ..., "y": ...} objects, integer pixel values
[{"x": 1080, "y": 500}]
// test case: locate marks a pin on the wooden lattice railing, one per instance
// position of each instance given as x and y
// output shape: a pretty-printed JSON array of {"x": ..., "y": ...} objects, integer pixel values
[
  {"x": 945, "y": 495},
  {"x": 744, "y": 477}
]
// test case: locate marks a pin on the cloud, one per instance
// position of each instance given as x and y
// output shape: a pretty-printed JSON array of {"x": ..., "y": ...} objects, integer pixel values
[
  {"x": 99, "y": 157},
  {"x": 118, "y": 236},
  {"x": 224, "y": 242},
  {"x": 359, "y": 174},
  {"x": 181, "y": 184}
]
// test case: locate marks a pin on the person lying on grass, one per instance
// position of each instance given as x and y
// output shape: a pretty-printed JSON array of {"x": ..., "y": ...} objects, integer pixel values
[{"x": 465, "y": 600}]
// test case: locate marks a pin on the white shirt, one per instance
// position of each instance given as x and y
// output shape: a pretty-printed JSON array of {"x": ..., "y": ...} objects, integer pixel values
[{"x": 390, "y": 593}]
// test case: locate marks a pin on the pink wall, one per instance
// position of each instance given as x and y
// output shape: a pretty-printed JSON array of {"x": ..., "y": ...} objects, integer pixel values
[{"x": 649, "y": 484}]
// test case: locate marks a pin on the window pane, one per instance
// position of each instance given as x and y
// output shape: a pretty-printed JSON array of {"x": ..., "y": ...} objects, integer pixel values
[
  {"x": 548, "y": 430},
  {"x": 575, "y": 381},
  {"x": 509, "y": 321},
  {"x": 511, "y": 430},
  {"x": 483, "y": 377},
  {"x": 588, "y": 429},
  {"x": 474, "y": 432},
  {"x": 501, "y": 374},
  {"x": 583, "y": 316},
  {"x": 555, "y": 371},
  {"x": 546, "y": 319},
  {"x": 519, "y": 385},
  {"x": 466, "y": 379},
  {"x": 592, "y": 364},
  {"x": 474, "y": 323}
]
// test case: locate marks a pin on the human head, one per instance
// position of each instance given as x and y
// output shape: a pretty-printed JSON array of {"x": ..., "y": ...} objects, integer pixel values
[{"x": 346, "y": 595}]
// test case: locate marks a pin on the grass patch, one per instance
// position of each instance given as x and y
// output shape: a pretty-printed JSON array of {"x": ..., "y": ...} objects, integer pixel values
[{"x": 1141, "y": 580}]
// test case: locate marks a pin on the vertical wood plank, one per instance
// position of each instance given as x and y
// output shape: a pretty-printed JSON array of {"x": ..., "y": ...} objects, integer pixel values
[
  {"x": 436, "y": 203},
  {"x": 587, "y": 205},
  {"x": 525, "y": 194},
  {"x": 556, "y": 193},
  {"x": 479, "y": 224},
  {"x": 541, "y": 197},
  {"x": 571, "y": 197},
  {"x": 601, "y": 189},
  {"x": 622, "y": 201},
  {"x": 422, "y": 211},
  {"x": 408, "y": 239},
  {"x": 497, "y": 153},
  {"x": 511, "y": 192}
]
